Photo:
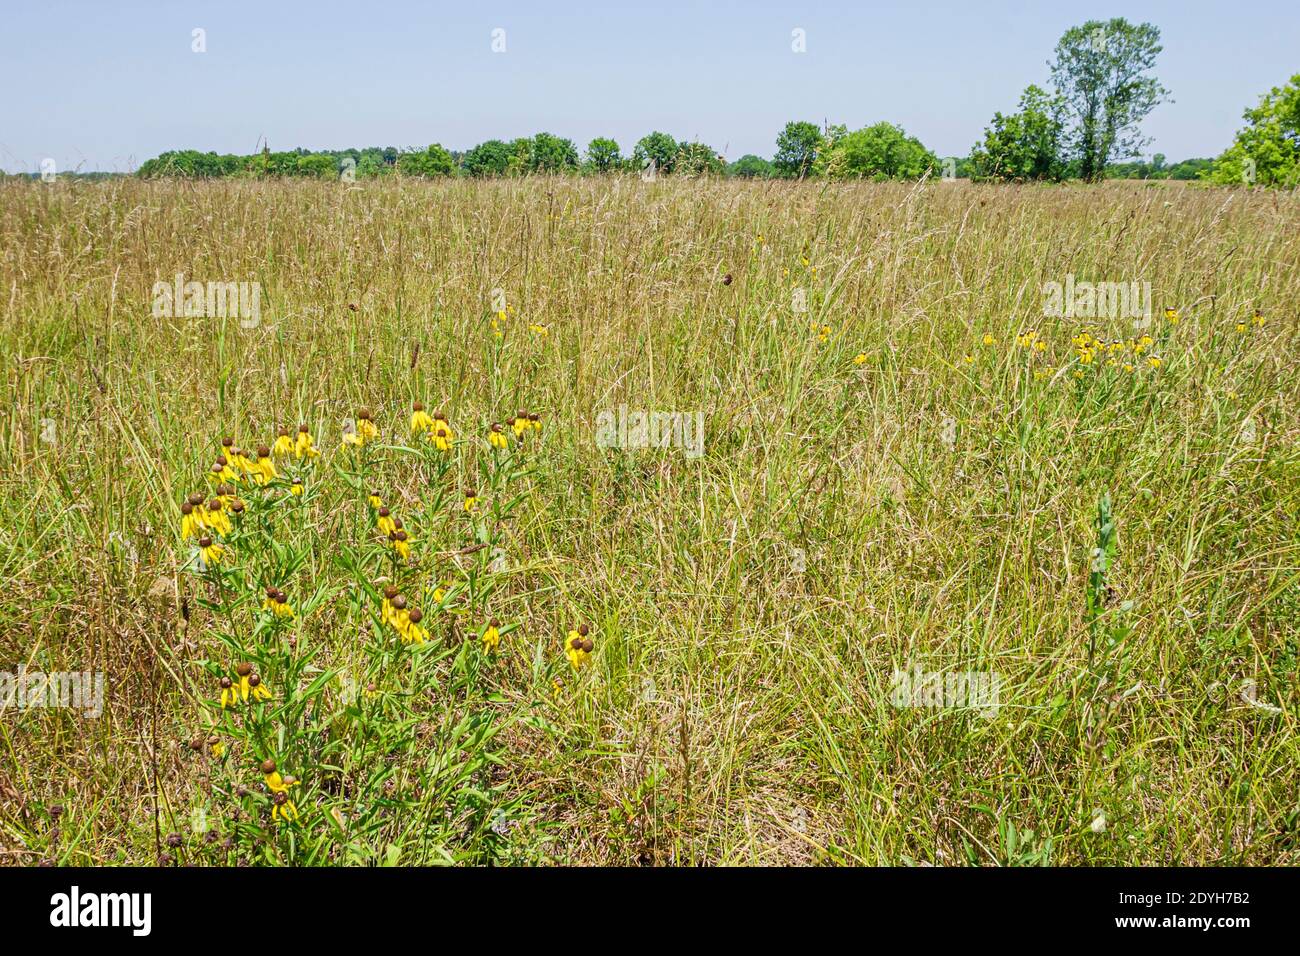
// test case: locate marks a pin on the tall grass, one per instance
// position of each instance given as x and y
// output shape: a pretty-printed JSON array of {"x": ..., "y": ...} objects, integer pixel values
[{"x": 933, "y": 504}]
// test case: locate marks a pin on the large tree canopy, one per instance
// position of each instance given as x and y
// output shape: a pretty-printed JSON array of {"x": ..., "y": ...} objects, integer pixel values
[
  {"x": 1267, "y": 149},
  {"x": 1100, "y": 73}
]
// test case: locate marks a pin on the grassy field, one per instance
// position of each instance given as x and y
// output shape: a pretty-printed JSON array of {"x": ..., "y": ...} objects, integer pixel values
[{"x": 902, "y": 466}]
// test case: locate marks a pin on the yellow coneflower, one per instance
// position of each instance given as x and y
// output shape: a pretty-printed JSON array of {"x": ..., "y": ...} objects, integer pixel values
[
  {"x": 257, "y": 688},
  {"x": 824, "y": 333},
  {"x": 282, "y": 806},
  {"x": 860, "y": 358},
  {"x": 399, "y": 618},
  {"x": 240, "y": 462},
  {"x": 229, "y": 696},
  {"x": 296, "y": 488},
  {"x": 471, "y": 501},
  {"x": 988, "y": 339},
  {"x": 492, "y": 635},
  {"x": 243, "y": 671},
  {"x": 226, "y": 495},
  {"x": 1258, "y": 319},
  {"x": 401, "y": 543},
  {"x": 304, "y": 446},
  {"x": 535, "y": 421},
  {"x": 1171, "y": 316},
  {"x": 210, "y": 551},
  {"x": 364, "y": 430},
  {"x": 420, "y": 420},
  {"x": 283, "y": 447},
  {"x": 440, "y": 433},
  {"x": 1154, "y": 361},
  {"x": 374, "y": 500},
  {"x": 1241, "y": 326},
  {"x": 384, "y": 521},
  {"x": 413, "y": 633},
  {"x": 386, "y": 610},
  {"x": 520, "y": 423},
  {"x": 497, "y": 438},
  {"x": 969, "y": 359},
  {"x": 277, "y": 602},
  {"x": 538, "y": 329},
  {"x": 215, "y": 746},
  {"x": 222, "y": 471},
  {"x": 215, "y": 518},
  {"x": 263, "y": 470},
  {"x": 366, "y": 427},
  {"x": 191, "y": 524},
  {"x": 578, "y": 646}
]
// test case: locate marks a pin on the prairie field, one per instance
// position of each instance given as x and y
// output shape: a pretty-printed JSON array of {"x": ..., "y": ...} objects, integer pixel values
[{"x": 675, "y": 654}]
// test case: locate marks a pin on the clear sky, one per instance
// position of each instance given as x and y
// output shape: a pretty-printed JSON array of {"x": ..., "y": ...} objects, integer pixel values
[{"x": 106, "y": 84}]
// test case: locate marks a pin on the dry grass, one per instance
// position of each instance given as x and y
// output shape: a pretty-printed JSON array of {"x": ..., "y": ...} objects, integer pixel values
[{"x": 737, "y": 707}]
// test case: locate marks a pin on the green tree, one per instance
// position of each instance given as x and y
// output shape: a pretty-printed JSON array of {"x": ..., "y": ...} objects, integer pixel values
[
  {"x": 521, "y": 156},
  {"x": 431, "y": 162},
  {"x": 1267, "y": 149},
  {"x": 1100, "y": 73},
  {"x": 797, "y": 147},
  {"x": 552, "y": 154},
  {"x": 1025, "y": 145},
  {"x": 603, "y": 155},
  {"x": 317, "y": 166},
  {"x": 750, "y": 166},
  {"x": 880, "y": 152},
  {"x": 657, "y": 147},
  {"x": 488, "y": 159}
]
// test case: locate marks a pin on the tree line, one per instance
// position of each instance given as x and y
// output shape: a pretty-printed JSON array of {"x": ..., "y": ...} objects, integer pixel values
[{"x": 1084, "y": 124}]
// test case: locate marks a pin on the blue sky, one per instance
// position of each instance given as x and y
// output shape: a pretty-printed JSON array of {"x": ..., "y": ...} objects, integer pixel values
[{"x": 106, "y": 84}]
